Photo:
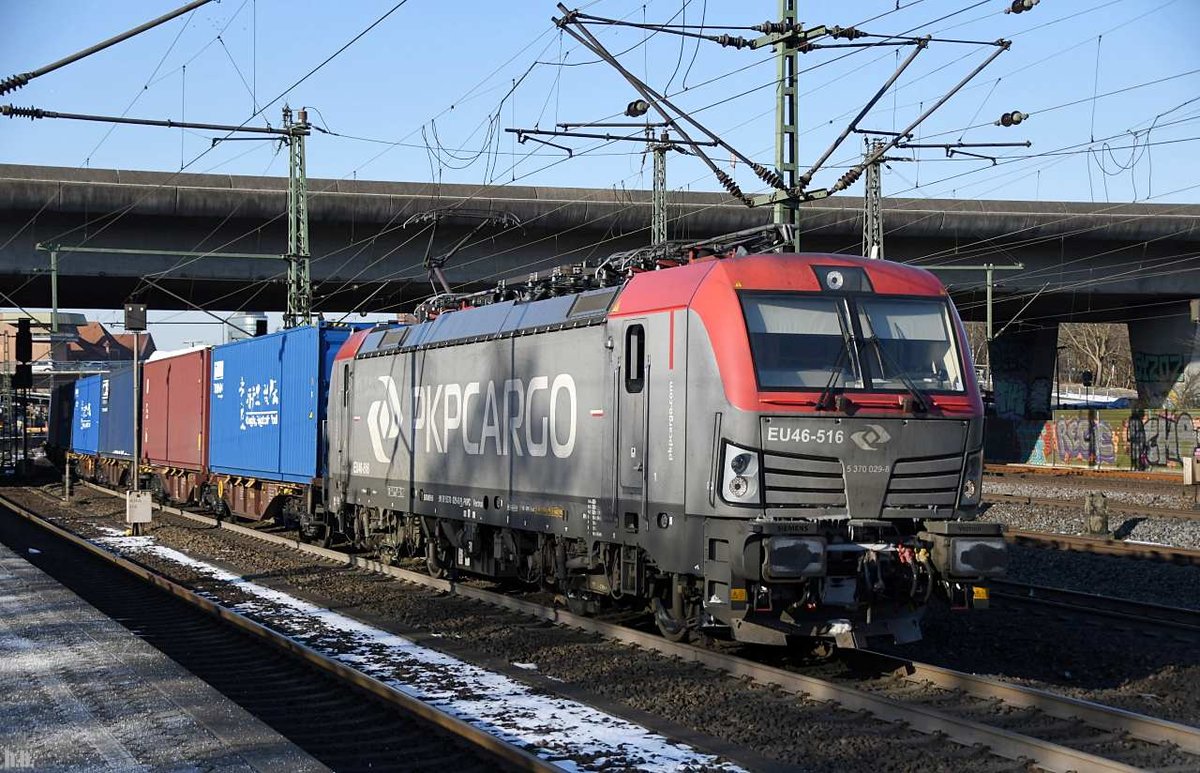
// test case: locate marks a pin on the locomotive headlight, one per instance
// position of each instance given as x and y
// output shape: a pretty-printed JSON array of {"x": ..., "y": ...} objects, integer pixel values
[
  {"x": 972, "y": 486},
  {"x": 793, "y": 557},
  {"x": 978, "y": 556},
  {"x": 739, "y": 480},
  {"x": 739, "y": 486}
]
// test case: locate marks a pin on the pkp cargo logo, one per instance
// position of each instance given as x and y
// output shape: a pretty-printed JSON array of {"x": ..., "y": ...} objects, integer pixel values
[
  {"x": 871, "y": 437},
  {"x": 383, "y": 419}
]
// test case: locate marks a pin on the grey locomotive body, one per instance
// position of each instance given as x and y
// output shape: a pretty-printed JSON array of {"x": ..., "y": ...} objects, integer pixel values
[{"x": 774, "y": 446}]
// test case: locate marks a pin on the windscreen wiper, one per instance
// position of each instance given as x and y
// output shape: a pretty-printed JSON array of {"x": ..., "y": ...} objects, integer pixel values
[
  {"x": 918, "y": 396},
  {"x": 843, "y": 356},
  {"x": 827, "y": 391}
]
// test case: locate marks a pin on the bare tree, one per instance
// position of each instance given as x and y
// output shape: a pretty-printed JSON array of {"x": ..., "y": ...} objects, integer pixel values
[
  {"x": 1103, "y": 348},
  {"x": 977, "y": 341},
  {"x": 1186, "y": 393}
]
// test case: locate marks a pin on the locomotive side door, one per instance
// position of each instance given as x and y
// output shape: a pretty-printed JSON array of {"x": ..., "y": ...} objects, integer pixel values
[
  {"x": 337, "y": 430},
  {"x": 632, "y": 389}
]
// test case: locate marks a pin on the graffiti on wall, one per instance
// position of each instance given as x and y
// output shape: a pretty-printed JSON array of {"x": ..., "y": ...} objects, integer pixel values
[
  {"x": 1022, "y": 365},
  {"x": 1082, "y": 440},
  {"x": 1167, "y": 439},
  {"x": 1158, "y": 374},
  {"x": 1158, "y": 367},
  {"x": 1019, "y": 399},
  {"x": 1140, "y": 440}
]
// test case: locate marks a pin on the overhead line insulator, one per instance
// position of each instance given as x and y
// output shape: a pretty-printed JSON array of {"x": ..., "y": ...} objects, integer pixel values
[
  {"x": 731, "y": 41},
  {"x": 14, "y": 82},
  {"x": 846, "y": 33},
  {"x": 769, "y": 176},
  {"x": 1021, "y": 6},
  {"x": 728, "y": 183},
  {"x": 12, "y": 111},
  {"x": 1011, "y": 119}
]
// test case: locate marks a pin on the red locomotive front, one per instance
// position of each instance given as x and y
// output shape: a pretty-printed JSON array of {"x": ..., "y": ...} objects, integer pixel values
[{"x": 835, "y": 446}]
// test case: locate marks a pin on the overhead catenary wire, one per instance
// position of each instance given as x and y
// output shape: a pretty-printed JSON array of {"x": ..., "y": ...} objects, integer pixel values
[
  {"x": 14, "y": 82},
  {"x": 117, "y": 215},
  {"x": 739, "y": 69}
]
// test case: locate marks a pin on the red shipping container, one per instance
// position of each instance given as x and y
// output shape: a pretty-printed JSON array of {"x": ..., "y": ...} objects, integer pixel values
[{"x": 175, "y": 423}]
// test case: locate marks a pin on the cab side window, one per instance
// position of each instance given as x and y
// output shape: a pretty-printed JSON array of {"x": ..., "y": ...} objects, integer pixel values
[{"x": 635, "y": 359}]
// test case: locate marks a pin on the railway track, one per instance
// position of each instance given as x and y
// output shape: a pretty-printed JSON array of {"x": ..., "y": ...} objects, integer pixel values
[
  {"x": 1178, "y": 622},
  {"x": 1114, "y": 506},
  {"x": 1122, "y": 737},
  {"x": 1053, "y": 732},
  {"x": 341, "y": 717},
  {"x": 1021, "y": 471},
  {"x": 1106, "y": 547}
]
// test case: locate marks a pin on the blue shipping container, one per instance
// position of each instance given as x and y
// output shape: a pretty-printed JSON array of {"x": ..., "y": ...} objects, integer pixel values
[
  {"x": 116, "y": 414},
  {"x": 85, "y": 420},
  {"x": 267, "y": 404}
]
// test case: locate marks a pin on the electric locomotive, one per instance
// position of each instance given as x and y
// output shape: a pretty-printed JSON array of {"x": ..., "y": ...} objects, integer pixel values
[{"x": 770, "y": 446}]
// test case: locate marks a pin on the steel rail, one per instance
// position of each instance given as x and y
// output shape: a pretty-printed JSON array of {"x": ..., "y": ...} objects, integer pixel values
[
  {"x": 1005, "y": 743},
  {"x": 1180, "y": 618},
  {"x": 1114, "y": 506},
  {"x": 1104, "y": 547},
  {"x": 499, "y": 748},
  {"x": 1140, "y": 726},
  {"x": 1144, "y": 476}
]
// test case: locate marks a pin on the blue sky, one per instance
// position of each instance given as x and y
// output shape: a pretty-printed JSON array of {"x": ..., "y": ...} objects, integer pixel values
[{"x": 427, "y": 93}]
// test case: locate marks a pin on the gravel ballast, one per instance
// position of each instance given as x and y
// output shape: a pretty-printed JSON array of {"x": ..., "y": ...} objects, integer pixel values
[
  {"x": 1059, "y": 655},
  {"x": 1068, "y": 518}
]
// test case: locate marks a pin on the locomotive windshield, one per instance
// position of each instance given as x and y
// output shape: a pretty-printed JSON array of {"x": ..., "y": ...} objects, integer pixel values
[
  {"x": 908, "y": 340},
  {"x": 865, "y": 342},
  {"x": 800, "y": 342}
]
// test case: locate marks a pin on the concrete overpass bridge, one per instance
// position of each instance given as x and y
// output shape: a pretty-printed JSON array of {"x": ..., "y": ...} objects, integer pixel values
[{"x": 1082, "y": 262}]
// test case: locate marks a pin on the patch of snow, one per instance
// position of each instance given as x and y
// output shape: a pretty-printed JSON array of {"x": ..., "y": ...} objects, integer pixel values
[{"x": 566, "y": 732}]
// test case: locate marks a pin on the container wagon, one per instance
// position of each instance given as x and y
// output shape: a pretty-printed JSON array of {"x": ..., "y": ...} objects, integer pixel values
[
  {"x": 117, "y": 431},
  {"x": 175, "y": 424},
  {"x": 267, "y": 402},
  {"x": 85, "y": 426}
]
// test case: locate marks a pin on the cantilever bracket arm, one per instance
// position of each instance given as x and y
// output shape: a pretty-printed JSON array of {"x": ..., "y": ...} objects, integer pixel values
[
  {"x": 662, "y": 104},
  {"x": 850, "y": 177},
  {"x": 805, "y": 178}
]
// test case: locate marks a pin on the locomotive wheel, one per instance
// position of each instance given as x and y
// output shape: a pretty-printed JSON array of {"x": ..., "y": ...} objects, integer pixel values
[
  {"x": 577, "y": 604},
  {"x": 671, "y": 628},
  {"x": 821, "y": 650},
  {"x": 435, "y": 560}
]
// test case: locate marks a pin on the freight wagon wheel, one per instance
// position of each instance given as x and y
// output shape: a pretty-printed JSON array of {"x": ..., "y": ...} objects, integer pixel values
[{"x": 156, "y": 489}]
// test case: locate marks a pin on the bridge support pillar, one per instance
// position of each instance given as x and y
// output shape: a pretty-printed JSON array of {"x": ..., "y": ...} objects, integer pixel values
[
  {"x": 1166, "y": 357},
  {"x": 1022, "y": 366}
]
